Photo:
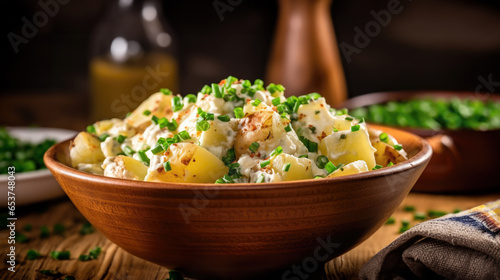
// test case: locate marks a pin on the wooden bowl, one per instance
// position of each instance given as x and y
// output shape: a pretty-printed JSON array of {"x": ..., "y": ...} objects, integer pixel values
[
  {"x": 463, "y": 161},
  {"x": 240, "y": 231}
]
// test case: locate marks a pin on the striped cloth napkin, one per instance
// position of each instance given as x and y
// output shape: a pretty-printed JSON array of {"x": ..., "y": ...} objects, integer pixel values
[{"x": 456, "y": 246}]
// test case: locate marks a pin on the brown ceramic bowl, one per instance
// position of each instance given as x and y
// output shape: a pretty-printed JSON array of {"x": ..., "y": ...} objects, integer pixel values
[
  {"x": 463, "y": 161},
  {"x": 237, "y": 231}
]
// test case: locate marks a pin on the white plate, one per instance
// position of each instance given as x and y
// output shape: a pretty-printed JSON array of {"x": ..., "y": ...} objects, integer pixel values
[{"x": 39, "y": 185}]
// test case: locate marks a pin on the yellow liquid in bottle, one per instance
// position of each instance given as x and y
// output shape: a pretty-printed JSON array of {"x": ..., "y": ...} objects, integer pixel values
[{"x": 117, "y": 89}]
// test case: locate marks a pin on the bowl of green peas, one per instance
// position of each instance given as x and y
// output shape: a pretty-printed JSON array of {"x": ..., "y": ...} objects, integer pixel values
[
  {"x": 22, "y": 169},
  {"x": 463, "y": 129}
]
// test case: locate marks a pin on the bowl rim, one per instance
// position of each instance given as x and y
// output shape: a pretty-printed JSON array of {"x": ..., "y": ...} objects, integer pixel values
[
  {"x": 382, "y": 97},
  {"x": 55, "y": 166}
]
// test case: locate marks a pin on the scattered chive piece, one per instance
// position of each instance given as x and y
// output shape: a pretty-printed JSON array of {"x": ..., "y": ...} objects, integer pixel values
[
  {"x": 120, "y": 139},
  {"x": 84, "y": 258},
  {"x": 286, "y": 167},
  {"x": 276, "y": 101},
  {"x": 167, "y": 166},
  {"x": 317, "y": 112},
  {"x": 94, "y": 252},
  {"x": 377, "y": 166},
  {"x": 28, "y": 227},
  {"x": 398, "y": 147},
  {"x": 342, "y": 111},
  {"x": 154, "y": 119},
  {"x": 246, "y": 84},
  {"x": 238, "y": 113},
  {"x": 256, "y": 102},
  {"x": 128, "y": 151},
  {"x": 21, "y": 238},
  {"x": 59, "y": 229},
  {"x": 253, "y": 147},
  {"x": 144, "y": 158},
  {"x": 390, "y": 221},
  {"x": 191, "y": 98},
  {"x": 304, "y": 156},
  {"x": 349, "y": 119},
  {"x": 166, "y": 91},
  {"x": 362, "y": 120},
  {"x": 63, "y": 255},
  {"x": 216, "y": 91},
  {"x": 355, "y": 128},
  {"x": 384, "y": 137},
  {"x": 409, "y": 208},
  {"x": 87, "y": 228},
  {"x": 260, "y": 179},
  {"x": 91, "y": 129},
  {"x": 390, "y": 164},
  {"x": 184, "y": 135},
  {"x": 44, "y": 232},
  {"x": 288, "y": 128},
  {"x": 330, "y": 167},
  {"x": 335, "y": 130},
  {"x": 265, "y": 163},
  {"x": 202, "y": 126},
  {"x": 209, "y": 116},
  {"x": 321, "y": 161},
  {"x": 319, "y": 177},
  {"x": 435, "y": 213},
  {"x": 32, "y": 254},
  {"x": 224, "y": 118},
  {"x": 342, "y": 136},
  {"x": 156, "y": 150},
  {"x": 230, "y": 157},
  {"x": 206, "y": 89},
  {"x": 312, "y": 146},
  {"x": 457, "y": 210},
  {"x": 405, "y": 223},
  {"x": 103, "y": 137},
  {"x": 177, "y": 103},
  {"x": 277, "y": 151},
  {"x": 419, "y": 216},
  {"x": 146, "y": 113}
]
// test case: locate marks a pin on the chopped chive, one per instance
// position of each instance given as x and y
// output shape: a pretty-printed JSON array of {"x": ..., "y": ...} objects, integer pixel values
[
  {"x": 238, "y": 113},
  {"x": 63, "y": 255},
  {"x": 321, "y": 161},
  {"x": 251, "y": 92},
  {"x": 377, "y": 166},
  {"x": 398, "y": 147},
  {"x": 191, "y": 98},
  {"x": 457, "y": 210},
  {"x": 144, "y": 158},
  {"x": 156, "y": 150},
  {"x": 317, "y": 112},
  {"x": 277, "y": 151},
  {"x": 286, "y": 167},
  {"x": 265, "y": 163},
  {"x": 44, "y": 232},
  {"x": 355, "y": 128},
  {"x": 304, "y": 156},
  {"x": 349, "y": 119},
  {"x": 216, "y": 91},
  {"x": 342, "y": 136},
  {"x": 59, "y": 229},
  {"x": 91, "y": 129},
  {"x": 146, "y": 113},
  {"x": 342, "y": 111},
  {"x": 177, "y": 103},
  {"x": 384, "y": 137},
  {"x": 84, "y": 258},
  {"x": 154, "y": 119},
  {"x": 206, "y": 89},
  {"x": 246, "y": 84},
  {"x": 335, "y": 130},
  {"x": 405, "y": 223},
  {"x": 202, "y": 126},
  {"x": 390, "y": 164},
  {"x": 32, "y": 254},
  {"x": 230, "y": 157},
  {"x": 220, "y": 181},
  {"x": 103, "y": 137},
  {"x": 260, "y": 179},
  {"x": 435, "y": 213},
  {"x": 86, "y": 228},
  {"x": 258, "y": 82},
  {"x": 409, "y": 208},
  {"x": 184, "y": 135},
  {"x": 288, "y": 128},
  {"x": 94, "y": 252},
  {"x": 362, "y": 120},
  {"x": 128, "y": 151},
  {"x": 390, "y": 221},
  {"x": 276, "y": 101},
  {"x": 330, "y": 167},
  {"x": 166, "y": 166},
  {"x": 120, "y": 138},
  {"x": 253, "y": 147},
  {"x": 419, "y": 216},
  {"x": 209, "y": 116},
  {"x": 224, "y": 118},
  {"x": 319, "y": 177},
  {"x": 166, "y": 91},
  {"x": 256, "y": 102},
  {"x": 21, "y": 238}
]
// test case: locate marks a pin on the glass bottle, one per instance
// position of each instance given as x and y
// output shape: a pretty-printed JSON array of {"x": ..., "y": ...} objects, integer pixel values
[
  {"x": 133, "y": 56},
  {"x": 305, "y": 57}
]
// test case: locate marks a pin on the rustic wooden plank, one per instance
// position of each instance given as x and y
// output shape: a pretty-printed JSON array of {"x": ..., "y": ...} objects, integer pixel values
[{"x": 114, "y": 263}]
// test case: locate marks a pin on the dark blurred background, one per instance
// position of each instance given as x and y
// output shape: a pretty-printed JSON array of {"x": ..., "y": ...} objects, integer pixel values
[{"x": 431, "y": 44}]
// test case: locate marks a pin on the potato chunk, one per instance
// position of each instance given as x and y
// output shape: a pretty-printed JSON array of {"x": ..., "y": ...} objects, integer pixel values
[
  {"x": 158, "y": 104},
  {"x": 125, "y": 167},
  {"x": 355, "y": 167},
  {"x": 86, "y": 148},
  {"x": 300, "y": 168}
]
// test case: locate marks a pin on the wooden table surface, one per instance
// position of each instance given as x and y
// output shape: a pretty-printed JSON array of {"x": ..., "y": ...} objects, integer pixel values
[{"x": 114, "y": 263}]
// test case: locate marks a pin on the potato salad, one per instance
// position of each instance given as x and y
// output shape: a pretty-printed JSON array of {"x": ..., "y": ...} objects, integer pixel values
[{"x": 234, "y": 131}]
